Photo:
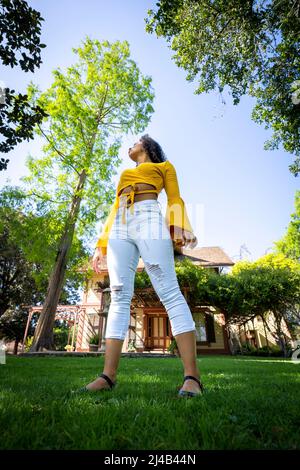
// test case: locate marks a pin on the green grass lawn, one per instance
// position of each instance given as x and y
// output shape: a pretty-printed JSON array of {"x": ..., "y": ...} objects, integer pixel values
[{"x": 249, "y": 403}]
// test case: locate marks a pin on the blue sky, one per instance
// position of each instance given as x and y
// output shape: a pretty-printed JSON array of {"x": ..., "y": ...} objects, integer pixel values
[{"x": 237, "y": 194}]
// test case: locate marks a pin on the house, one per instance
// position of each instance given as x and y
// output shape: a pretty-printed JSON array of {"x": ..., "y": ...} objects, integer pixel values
[
  {"x": 150, "y": 329},
  {"x": 258, "y": 333}
]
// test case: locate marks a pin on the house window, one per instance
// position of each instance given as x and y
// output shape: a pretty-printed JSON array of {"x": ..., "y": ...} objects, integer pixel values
[
  {"x": 210, "y": 327},
  {"x": 167, "y": 327},
  {"x": 200, "y": 326}
]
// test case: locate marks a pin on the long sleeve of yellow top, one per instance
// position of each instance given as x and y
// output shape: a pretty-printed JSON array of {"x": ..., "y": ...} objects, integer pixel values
[{"x": 161, "y": 175}]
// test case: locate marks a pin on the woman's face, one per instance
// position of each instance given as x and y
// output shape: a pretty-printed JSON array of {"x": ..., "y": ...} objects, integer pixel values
[{"x": 136, "y": 150}]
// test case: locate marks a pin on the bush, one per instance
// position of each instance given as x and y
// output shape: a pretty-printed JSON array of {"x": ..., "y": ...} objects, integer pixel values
[
  {"x": 249, "y": 350},
  {"x": 60, "y": 336},
  {"x": 131, "y": 346},
  {"x": 28, "y": 343},
  {"x": 173, "y": 346},
  {"x": 94, "y": 339}
]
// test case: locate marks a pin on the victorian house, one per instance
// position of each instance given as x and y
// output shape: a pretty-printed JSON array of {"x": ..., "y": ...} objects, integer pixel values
[{"x": 150, "y": 329}]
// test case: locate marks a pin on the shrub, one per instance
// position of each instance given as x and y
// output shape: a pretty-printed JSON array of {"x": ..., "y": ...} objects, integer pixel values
[
  {"x": 131, "y": 346},
  {"x": 249, "y": 350},
  {"x": 60, "y": 336},
  {"x": 28, "y": 343},
  {"x": 94, "y": 339},
  {"x": 172, "y": 346}
]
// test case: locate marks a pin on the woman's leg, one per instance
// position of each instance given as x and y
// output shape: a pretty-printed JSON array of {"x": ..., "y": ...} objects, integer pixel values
[
  {"x": 158, "y": 256},
  {"x": 122, "y": 261},
  {"x": 113, "y": 348},
  {"x": 187, "y": 347}
]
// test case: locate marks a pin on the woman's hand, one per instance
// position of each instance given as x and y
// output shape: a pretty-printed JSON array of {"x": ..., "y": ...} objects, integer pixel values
[
  {"x": 97, "y": 258},
  {"x": 190, "y": 238},
  {"x": 183, "y": 238}
]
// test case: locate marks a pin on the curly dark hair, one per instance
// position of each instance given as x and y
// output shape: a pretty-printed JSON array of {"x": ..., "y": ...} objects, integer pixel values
[{"x": 153, "y": 149}]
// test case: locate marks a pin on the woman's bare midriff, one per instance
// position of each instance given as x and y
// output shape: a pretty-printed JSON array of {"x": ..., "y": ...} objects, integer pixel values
[{"x": 140, "y": 187}]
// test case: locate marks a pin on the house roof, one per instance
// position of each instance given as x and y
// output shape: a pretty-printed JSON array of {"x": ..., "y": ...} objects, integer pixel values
[{"x": 207, "y": 256}]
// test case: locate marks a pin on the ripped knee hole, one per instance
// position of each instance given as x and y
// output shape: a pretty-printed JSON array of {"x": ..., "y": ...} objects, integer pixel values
[
  {"x": 154, "y": 268},
  {"x": 117, "y": 289}
]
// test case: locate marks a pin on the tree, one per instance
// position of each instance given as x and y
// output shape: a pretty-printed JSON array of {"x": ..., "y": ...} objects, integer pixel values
[
  {"x": 100, "y": 98},
  {"x": 12, "y": 326},
  {"x": 249, "y": 46},
  {"x": 16, "y": 283},
  {"x": 270, "y": 284},
  {"x": 27, "y": 252},
  {"x": 20, "y": 27},
  {"x": 289, "y": 245}
]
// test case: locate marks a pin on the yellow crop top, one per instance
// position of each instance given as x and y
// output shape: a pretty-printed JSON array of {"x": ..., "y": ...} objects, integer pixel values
[{"x": 161, "y": 175}]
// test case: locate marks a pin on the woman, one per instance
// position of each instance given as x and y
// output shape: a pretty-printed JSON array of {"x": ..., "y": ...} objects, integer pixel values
[{"x": 135, "y": 227}]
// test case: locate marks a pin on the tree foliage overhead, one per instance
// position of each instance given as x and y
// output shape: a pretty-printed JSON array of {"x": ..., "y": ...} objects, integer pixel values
[
  {"x": 20, "y": 29},
  {"x": 250, "y": 46},
  {"x": 289, "y": 244}
]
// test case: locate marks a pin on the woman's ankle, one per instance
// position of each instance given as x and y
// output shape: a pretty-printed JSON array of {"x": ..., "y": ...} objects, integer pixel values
[
  {"x": 111, "y": 375},
  {"x": 192, "y": 373}
]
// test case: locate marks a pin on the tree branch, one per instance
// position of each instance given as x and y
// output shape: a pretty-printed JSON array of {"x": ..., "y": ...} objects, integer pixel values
[
  {"x": 58, "y": 151},
  {"x": 48, "y": 199}
]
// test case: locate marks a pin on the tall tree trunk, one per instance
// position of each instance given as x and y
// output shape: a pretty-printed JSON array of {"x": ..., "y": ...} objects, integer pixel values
[
  {"x": 43, "y": 335},
  {"x": 16, "y": 346}
]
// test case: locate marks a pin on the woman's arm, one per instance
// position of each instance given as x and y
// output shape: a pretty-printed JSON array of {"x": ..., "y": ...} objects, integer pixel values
[
  {"x": 177, "y": 219},
  {"x": 103, "y": 239}
]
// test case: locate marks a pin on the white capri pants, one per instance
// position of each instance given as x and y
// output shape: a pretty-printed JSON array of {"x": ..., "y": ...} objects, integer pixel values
[{"x": 144, "y": 234}]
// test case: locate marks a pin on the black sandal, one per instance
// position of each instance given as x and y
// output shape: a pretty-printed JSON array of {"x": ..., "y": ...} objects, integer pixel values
[
  {"x": 185, "y": 393},
  {"x": 108, "y": 380}
]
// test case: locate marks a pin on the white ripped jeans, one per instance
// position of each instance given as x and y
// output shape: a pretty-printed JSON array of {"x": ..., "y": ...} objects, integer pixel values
[{"x": 144, "y": 234}]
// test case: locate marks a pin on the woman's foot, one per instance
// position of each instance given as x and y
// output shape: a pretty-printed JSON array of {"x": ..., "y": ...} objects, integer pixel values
[
  {"x": 100, "y": 383},
  {"x": 191, "y": 385}
]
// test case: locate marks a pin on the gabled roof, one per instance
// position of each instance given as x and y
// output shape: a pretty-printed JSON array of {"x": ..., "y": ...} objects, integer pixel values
[{"x": 207, "y": 256}]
